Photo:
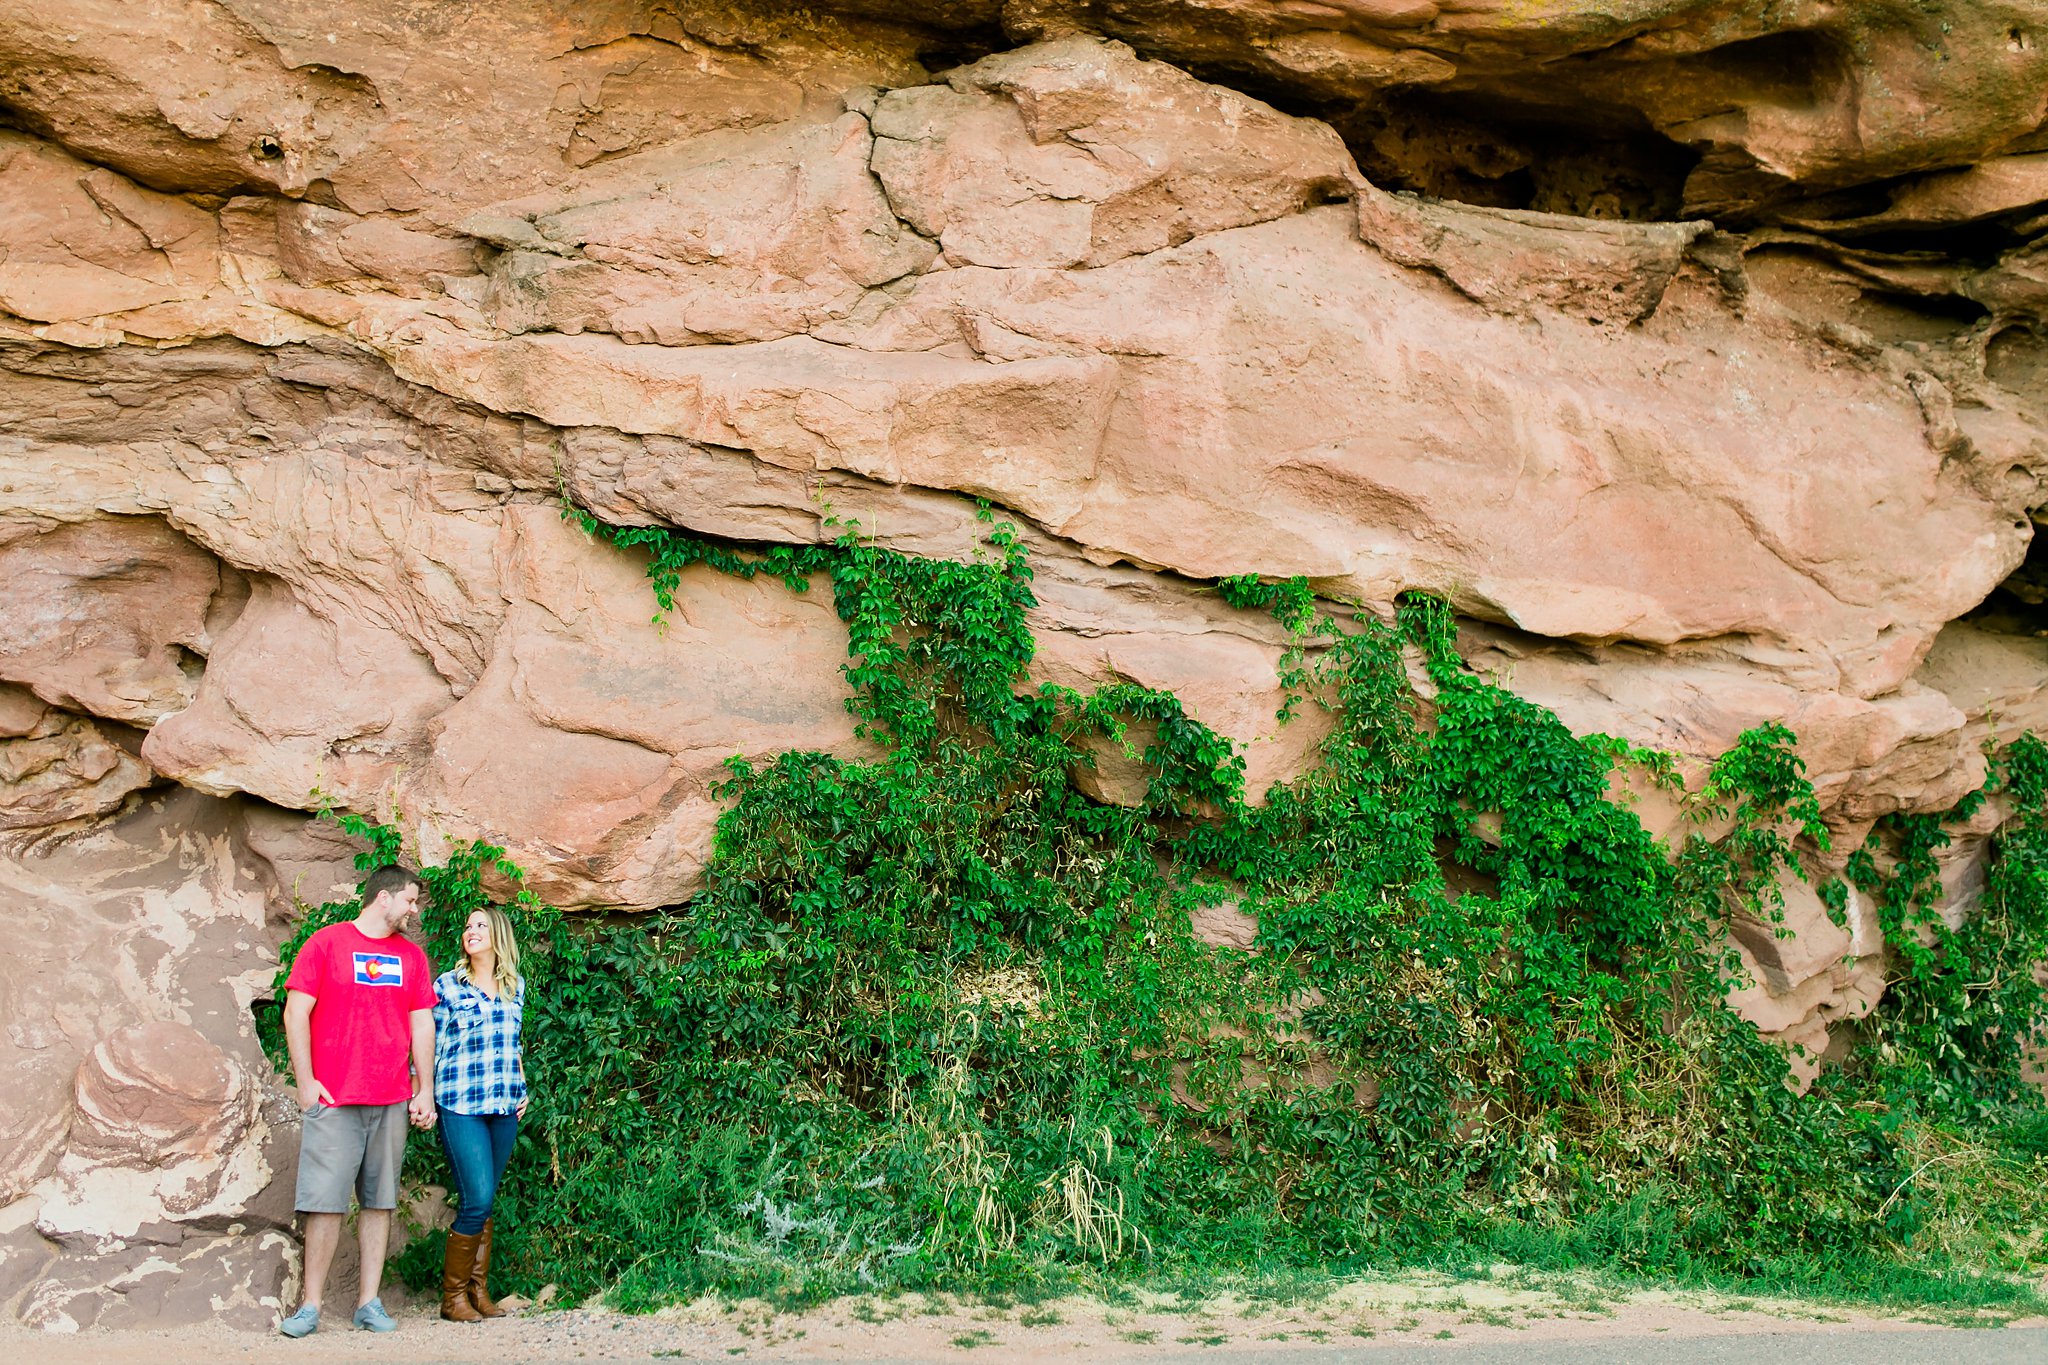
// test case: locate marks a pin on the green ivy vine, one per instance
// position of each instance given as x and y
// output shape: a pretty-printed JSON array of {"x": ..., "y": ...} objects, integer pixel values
[{"x": 940, "y": 1019}]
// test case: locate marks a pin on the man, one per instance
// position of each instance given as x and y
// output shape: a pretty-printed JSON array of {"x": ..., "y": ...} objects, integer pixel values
[{"x": 359, "y": 1004}]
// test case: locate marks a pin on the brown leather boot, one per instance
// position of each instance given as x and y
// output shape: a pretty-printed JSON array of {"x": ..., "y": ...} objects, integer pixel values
[
  {"x": 480, "y": 1297},
  {"x": 458, "y": 1266}
]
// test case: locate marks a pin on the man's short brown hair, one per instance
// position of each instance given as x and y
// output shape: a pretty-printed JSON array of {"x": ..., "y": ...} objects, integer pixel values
[{"x": 390, "y": 877}]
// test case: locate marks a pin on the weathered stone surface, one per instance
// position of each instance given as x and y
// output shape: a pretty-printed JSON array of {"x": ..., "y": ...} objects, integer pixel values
[
  {"x": 134, "y": 1146},
  {"x": 286, "y": 97},
  {"x": 1520, "y": 262},
  {"x": 1128, "y": 407},
  {"x": 24, "y": 1255},
  {"x": 1904, "y": 750},
  {"x": 1226, "y": 926},
  {"x": 1122, "y": 400},
  {"x": 733, "y": 237},
  {"x": 107, "y": 617},
  {"x": 1795, "y": 994},
  {"x": 81, "y": 241},
  {"x": 1771, "y": 101},
  {"x": 160, "y": 1092},
  {"x": 1094, "y": 623},
  {"x": 307, "y": 311},
  {"x": 1993, "y": 675},
  {"x": 293, "y": 703},
  {"x": 1117, "y": 625},
  {"x": 380, "y": 106},
  {"x": 57, "y": 768},
  {"x": 1809, "y": 972},
  {"x": 238, "y": 1280},
  {"x": 1965, "y": 194},
  {"x": 1077, "y": 154},
  {"x": 588, "y": 745},
  {"x": 1023, "y": 432}
]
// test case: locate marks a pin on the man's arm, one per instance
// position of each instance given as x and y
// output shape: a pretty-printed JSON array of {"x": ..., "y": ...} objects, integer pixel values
[
  {"x": 298, "y": 1040},
  {"x": 422, "y": 1107}
]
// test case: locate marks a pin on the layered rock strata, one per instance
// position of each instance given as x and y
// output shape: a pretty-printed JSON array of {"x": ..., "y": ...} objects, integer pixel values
[{"x": 1695, "y": 352}]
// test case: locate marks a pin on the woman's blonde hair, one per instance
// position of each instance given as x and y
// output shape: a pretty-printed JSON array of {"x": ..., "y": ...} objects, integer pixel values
[{"x": 504, "y": 953}]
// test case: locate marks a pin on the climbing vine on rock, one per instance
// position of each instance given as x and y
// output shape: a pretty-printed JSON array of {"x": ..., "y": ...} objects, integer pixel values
[
  {"x": 939, "y": 1018},
  {"x": 1965, "y": 1005}
]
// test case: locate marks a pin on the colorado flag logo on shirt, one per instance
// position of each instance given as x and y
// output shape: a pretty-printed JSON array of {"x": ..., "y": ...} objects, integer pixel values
[{"x": 379, "y": 969}]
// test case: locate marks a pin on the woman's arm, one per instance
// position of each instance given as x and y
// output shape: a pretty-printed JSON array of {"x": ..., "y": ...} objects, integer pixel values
[{"x": 519, "y": 1053}]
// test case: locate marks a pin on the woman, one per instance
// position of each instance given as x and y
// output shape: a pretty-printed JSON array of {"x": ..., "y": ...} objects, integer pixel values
[{"x": 480, "y": 1088}]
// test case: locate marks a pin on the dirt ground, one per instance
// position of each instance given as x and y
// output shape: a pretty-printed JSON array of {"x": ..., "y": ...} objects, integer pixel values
[{"x": 1408, "y": 1309}]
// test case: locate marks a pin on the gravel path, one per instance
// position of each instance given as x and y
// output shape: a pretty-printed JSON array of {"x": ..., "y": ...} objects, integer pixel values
[
  {"x": 2022, "y": 1346},
  {"x": 1508, "y": 1321}
]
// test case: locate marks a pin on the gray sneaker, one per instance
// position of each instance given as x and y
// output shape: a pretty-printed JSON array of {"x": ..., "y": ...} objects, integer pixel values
[
  {"x": 302, "y": 1323},
  {"x": 371, "y": 1317}
]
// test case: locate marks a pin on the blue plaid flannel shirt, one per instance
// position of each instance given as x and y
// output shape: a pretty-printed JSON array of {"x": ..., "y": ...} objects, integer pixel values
[{"x": 478, "y": 1068}]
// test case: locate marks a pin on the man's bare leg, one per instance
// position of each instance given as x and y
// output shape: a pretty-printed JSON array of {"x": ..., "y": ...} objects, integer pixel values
[
  {"x": 373, "y": 1235},
  {"x": 323, "y": 1235}
]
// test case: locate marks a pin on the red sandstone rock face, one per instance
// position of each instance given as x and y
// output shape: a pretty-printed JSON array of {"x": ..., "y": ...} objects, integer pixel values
[
  {"x": 1698, "y": 353},
  {"x": 161, "y": 1092},
  {"x": 142, "y": 1132},
  {"x": 57, "y": 769},
  {"x": 106, "y": 616}
]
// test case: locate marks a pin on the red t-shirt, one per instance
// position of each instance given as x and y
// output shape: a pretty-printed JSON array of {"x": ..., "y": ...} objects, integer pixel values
[{"x": 364, "y": 992}]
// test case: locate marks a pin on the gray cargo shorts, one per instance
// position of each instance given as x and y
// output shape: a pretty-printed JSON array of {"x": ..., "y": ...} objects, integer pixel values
[{"x": 350, "y": 1148}]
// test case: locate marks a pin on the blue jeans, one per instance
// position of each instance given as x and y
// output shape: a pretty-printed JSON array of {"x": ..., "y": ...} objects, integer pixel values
[{"x": 478, "y": 1146}]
